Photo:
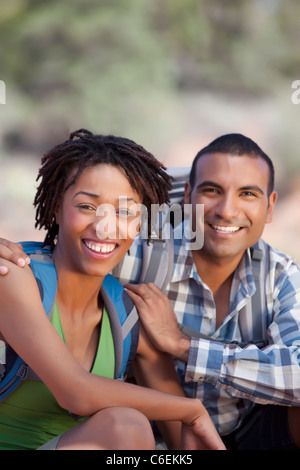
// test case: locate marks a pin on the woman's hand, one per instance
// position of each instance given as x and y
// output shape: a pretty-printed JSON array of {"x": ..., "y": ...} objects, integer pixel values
[
  {"x": 201, "y": 434},
  {"x": 12, "y": 252}
]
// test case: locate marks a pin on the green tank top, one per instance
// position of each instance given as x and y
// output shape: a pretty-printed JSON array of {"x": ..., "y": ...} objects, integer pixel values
[{"x": 31, "y": 416}]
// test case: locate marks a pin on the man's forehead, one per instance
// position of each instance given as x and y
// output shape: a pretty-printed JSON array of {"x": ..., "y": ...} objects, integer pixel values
[
  {"x": 226, "y": 165},
  {"x": 217, "y": 159}
]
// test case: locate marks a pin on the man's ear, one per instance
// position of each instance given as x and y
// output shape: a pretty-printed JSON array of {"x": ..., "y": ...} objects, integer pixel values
[
  {"x": 272, "y": 202},
  {"x": 187, "y": 193},
  {"x": 187, "y": 199}
]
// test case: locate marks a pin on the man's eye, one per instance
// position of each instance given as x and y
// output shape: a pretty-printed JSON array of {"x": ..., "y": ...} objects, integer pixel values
[
  {"x": 125, "y": 213},
  {"x": 210, "y": 190},
  {"x": 248, "y": 193}
]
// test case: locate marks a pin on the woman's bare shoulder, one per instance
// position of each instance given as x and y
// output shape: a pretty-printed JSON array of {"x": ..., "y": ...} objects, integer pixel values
[
  {"x": 15, "y": 274},
  {"x": 17, "y": 288}
]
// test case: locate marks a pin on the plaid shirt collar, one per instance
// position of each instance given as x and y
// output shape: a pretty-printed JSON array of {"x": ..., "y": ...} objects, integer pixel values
[{"x": 185, "y": 268}]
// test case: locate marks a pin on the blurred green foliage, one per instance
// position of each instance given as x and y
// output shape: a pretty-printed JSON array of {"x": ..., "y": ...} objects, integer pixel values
[
  {"x": 170, "y": 74},
  {"x": 114, "y": 65}
]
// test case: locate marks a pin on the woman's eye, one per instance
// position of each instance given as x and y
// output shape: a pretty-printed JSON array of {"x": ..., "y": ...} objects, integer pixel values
[{"x": 86, "y": 207}]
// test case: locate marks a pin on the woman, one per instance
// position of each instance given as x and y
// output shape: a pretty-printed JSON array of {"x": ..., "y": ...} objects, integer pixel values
[{"x": 81, "y": 178}]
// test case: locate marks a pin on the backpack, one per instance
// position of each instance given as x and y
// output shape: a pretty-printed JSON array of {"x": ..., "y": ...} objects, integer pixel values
[
  {"x": 121, "y": 310},
  {"x": 158, "y": 258}
]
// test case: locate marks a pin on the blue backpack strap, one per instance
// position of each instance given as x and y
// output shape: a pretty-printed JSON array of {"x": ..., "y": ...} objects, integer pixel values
[
  {"x": 43, "y": 269},
  {"x": 124, "y": 323},
  {"x": 15, "y": 372},
  {"x": 44, "y": 272}
]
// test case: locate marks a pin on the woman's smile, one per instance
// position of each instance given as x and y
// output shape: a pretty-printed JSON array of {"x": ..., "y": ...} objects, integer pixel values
[{"x": 99, "y": 249}]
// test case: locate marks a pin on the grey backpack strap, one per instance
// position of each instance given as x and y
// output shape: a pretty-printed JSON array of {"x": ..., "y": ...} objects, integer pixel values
[
  {"x": 158, "y": 255},
  {"x": 180, "y": 175},
  {"x": 31, "y": 375},
  {"x": 129, "y": 322},
  {"x": 252, "y": 318},
  {"x": 158, "y": 260},
  {"x": 258, "y": 299}
]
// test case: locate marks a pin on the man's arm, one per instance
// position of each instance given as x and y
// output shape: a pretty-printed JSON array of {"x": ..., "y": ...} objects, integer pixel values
[
  {"x": 12, "y": 252},
  {"x": 268, "y": 375}
]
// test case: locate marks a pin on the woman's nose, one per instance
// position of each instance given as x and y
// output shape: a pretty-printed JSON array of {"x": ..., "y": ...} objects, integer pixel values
[{"x": 105, "y": 222}]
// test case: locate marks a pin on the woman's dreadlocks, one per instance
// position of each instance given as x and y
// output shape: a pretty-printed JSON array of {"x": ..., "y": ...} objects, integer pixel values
[{"x": 84, "y": 149}]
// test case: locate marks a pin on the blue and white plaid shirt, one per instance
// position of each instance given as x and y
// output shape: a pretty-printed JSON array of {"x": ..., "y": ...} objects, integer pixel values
[{"x": 228, "y": 379}]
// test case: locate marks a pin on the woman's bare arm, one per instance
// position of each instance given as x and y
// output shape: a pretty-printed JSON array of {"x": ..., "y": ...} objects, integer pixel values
[
  {"x": 26, "y": 328},
  {"x": 154, "y": 369}
]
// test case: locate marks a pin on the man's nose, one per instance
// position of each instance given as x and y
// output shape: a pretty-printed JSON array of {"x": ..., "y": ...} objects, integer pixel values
[{"x": 228, "y": 207}]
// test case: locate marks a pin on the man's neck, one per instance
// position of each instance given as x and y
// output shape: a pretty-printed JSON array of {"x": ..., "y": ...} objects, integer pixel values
[
  {"x": 215, "y": 272},
  {"x": 218, "y": 277}
]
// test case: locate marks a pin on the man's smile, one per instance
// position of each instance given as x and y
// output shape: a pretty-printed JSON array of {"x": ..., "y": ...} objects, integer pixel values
[{"x": 225, "y": 228}]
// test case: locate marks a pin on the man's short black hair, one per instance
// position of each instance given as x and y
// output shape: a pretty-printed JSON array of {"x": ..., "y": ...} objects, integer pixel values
[{"x": 234, "y": 144}]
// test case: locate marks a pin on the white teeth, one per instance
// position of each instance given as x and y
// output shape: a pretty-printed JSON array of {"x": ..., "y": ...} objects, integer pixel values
[
  {"x": 100, "y": 247},
  {"x": 225, "y": 229}
]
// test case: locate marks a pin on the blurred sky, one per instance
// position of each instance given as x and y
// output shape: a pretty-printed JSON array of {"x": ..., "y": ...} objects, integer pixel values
[{"x": 170, "y": 75}]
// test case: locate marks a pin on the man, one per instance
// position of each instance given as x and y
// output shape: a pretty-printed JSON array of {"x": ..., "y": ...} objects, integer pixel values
[{"x": 210, "y": 291}]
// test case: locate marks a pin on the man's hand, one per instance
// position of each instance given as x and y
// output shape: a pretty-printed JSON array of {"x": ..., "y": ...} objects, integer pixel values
[
  {"x": 12, "y": 252},
  {"x": 159, "y": 320}
]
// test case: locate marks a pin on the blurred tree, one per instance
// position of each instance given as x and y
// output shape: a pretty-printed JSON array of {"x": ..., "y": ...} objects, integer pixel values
[{"x": 113, "y": 65}]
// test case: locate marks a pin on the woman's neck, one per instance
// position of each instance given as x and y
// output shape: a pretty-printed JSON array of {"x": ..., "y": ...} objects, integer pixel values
[{"x": 77, "y": 292}]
